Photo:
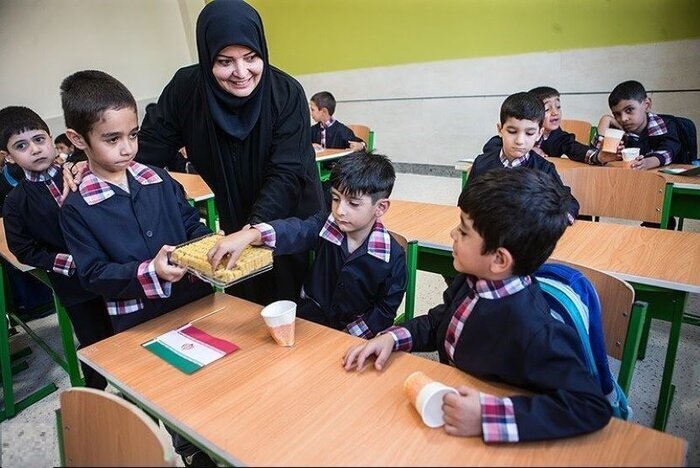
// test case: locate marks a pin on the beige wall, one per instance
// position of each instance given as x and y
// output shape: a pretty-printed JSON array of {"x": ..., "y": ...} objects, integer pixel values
[{"x": 140, "y": 42}]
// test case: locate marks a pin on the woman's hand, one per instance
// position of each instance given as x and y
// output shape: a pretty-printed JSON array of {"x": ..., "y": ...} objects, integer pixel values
[
  {"x": 72, "y": 175},
  {"x": 381, "y": 346}
]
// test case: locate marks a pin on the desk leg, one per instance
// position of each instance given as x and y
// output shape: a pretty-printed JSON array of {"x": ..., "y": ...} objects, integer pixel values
[
  {"x": 72, "y": 366},
  {"x": 211, "y": 214},
  {"x": 411, "y": 273},
  {"x": 465, "y": 177}
]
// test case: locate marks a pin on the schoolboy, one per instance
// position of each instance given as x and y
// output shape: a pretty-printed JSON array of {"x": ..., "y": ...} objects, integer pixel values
[
  {"x": 495, "y": 323},
  {"x": 31, "y": 217},
  {"x": 125, "y": 217},
  {"x": 328, "y": 132},
  {"x": 358, "y": 277},
  {"x": 520, "y": 128},
  {"x": 656, "y": 136},
  {"x": 64, "y": 146}
]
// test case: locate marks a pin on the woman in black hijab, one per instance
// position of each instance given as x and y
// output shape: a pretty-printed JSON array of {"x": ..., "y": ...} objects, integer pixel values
[{"x": 245, "y": 125}]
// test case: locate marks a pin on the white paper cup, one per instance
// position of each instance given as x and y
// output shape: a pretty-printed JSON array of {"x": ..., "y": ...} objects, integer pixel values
[
  {"x": 629, "y": 155},
  {"x": 611, "y": 139},
  {"x": 426, "y": 396},
  {"x": 280, "y": 320}
]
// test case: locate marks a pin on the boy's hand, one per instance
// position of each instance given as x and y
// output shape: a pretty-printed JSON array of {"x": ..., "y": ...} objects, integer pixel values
[
  {"x": 233, "y": 244},
  {"x": 643, "y": 164},
  {"x": 356, "y": 145},
  {"x": 539, "y": 151},
  {"x": 604, "y": 157},
  {"x": 72, "y": 175},
  {"x": 317, "y": 147},
  {"x": 381, "y": 346},
  {"x": 164, "y": 269},
  {"x": 607, "y": 121},
  {"x": 462, "y": 412}
]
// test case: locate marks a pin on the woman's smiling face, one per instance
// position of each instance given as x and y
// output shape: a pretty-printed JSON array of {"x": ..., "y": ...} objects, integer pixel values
[{"x": 238, "y": 70}]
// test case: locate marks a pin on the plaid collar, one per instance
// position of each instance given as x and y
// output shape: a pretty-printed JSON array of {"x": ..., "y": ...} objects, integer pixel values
[
  {"x": 48, "y": 174},
  {"x": 498, "y": 289},
  {"x": 521, "y": 161},
  {"x": 328, "y": 123},
  {"x": 378, "y": 243},
  {"x": 94, "y": 190},
  {"x": 655, "y": 125}
]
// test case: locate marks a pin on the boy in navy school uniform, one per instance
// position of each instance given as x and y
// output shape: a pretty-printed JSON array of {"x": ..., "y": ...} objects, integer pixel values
[
  {"x": 125, "y": 217},
  {"x": 31, "y": 214},
  {"x": 555, "y": 141},
  {"x": 520, "y": 128},
  {"x": 358, "y": 277},
  {"x": 328, "y": 132},
  {"x": 655, "y": 135},
  {"x": 495, "y": 323}
]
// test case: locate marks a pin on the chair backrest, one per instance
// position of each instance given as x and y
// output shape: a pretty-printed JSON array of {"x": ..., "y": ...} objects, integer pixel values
[
  {"x": 403, "y": 242},
  {"x": 361, "y": 132},
  {"x": 101, "y": 429},
  {"x": 580, "y": 128},
  {"x": 617, "y": 192}
]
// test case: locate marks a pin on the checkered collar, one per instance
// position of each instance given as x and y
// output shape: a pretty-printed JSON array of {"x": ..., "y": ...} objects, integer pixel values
[
  {"x": 655, "y": 125},
  {"x": 328, "y": 123},
  {"x": 498, "y": 289},
  {"x": 48, "y": 174},
  {"x": 378, "y": 243},
  {"x": 94, "y": 190},
  {"x": 521, "y": 161}
]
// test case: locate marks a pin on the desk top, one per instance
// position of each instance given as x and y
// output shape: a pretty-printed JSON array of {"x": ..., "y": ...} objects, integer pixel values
[
  {"x": 269, "y": 405},
  {"x": 5, "y": 251},
  {"x": 654, "y": 257},
  {"x": 195, "y": 187},
  {"x": 332, "y": 154}
]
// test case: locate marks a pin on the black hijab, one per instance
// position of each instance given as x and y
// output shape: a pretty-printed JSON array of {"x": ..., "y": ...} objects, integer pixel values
[{"x": 220, "y": 24}]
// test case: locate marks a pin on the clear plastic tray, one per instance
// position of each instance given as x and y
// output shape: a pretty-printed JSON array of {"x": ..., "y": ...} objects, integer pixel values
[{"x": 216, "y": 282}]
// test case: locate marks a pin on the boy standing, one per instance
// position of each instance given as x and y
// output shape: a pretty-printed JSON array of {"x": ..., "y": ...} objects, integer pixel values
[
  {"x": 495, "y": 323},
  {"x": 656, "y": 136},
  {"x": 328, "y": 132},
  {"x": 358, "y": 277},
  {"x": 31, "y": 214},
  {"x": 520, "y": 128}
]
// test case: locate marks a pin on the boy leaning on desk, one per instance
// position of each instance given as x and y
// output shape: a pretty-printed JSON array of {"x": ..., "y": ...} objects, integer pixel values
[{"x": 494, "y": 322}]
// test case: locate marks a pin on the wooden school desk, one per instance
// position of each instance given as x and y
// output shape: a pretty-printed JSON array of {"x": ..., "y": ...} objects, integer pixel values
[
  {"x": 327, "y": 155},
  {"x": 198, "y": 194},
  {"x": 651, "y": 257},
  {"x": 69, "y": 361},
  {"x": 268, "y": 405}
]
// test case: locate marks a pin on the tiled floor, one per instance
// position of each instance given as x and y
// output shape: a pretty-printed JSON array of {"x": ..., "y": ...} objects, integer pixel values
[{"x": 29, "y": 438}]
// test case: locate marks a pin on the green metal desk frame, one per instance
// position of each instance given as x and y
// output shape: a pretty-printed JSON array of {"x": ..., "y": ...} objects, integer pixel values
[{"x": 210, "y": 208}]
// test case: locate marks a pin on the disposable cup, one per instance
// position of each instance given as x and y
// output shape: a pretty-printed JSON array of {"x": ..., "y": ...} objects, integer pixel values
[
  {"x": 426, "y": 396},
  {"x": 611, "y": 139},
  {"x": 629, "y": 155},
  {"x": 280, "y": 319}
]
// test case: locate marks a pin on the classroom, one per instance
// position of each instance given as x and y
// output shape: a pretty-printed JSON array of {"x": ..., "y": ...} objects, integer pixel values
[{"x": 417, "y": 233}]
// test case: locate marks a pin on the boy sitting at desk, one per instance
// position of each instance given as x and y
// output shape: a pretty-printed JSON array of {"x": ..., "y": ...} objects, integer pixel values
[
  {"x": 495, "y": 323},
  {"x": 555, "y": 141},
  {"x": 31, "y": 212},
  {"x": 656, "y": 136},
  {"x": 328, "y": 132},
  {"x": 358, "y": 277},
  {"x": 520, "y": 128}
]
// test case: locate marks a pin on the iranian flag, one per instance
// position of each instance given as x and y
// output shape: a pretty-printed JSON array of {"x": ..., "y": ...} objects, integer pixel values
[{"x": 189, "y": 349}]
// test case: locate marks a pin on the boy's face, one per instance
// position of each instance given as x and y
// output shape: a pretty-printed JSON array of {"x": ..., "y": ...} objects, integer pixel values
[
  {"x": 356, "y": 213},
  {"x": 632, "y": 114},
  {"x": 318, "y": 115},
  {"x": 31, "y": 150},
  {"x": 552, "y": 114},
  {"x": 466, "y": 249},
  {"x": 112, "y": 142},
  {"x": 519, "y": 136},
  {"x": 63, "y": 148}
]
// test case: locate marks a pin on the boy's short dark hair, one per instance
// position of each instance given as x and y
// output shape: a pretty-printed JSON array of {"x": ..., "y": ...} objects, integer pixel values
[
  {"x": 544, "y": 92},
  {"x": 522, "y": 106},
  {"x": 62, "y": 138},
  {"x": 324, "y": 99},
  {"x": 364, "y": 173},
  {"x": 522, "y": 210},
  {"x": 87, "y": 94},
  {"x": 627, "y": 90},
  {"x": 17, "y": 119}
]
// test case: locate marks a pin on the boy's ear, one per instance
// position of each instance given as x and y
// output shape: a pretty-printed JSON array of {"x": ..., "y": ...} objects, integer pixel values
[
  {"x": 75, "y": 138},
  {"x": 382, "y": 207},
  {"x": 502, "y": 262},
  {"x": 5, "y": 156},
  {"x": 539, "y": 134},
  {"x": 646, "y": 103},
  {"x": 499, "y": 127}
]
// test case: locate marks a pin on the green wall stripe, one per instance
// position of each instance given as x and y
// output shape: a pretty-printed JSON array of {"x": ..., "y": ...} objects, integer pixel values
[{"x": 306, "y": 36}]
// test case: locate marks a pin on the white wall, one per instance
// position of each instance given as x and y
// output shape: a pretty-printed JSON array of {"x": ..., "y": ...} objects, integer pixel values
[
  {"x": 437, "y": 112},
  {"x": 140, "y": 42}
]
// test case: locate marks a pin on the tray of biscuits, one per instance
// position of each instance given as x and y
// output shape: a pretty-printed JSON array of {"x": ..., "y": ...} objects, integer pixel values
[{"x": 193, "y": 256}]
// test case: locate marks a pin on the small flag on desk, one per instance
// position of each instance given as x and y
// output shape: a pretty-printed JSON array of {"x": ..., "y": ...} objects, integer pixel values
[{"x": 189, "y": 349}]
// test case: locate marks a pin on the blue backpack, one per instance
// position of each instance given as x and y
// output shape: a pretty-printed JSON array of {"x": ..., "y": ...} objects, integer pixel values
[{"x": 573, "y": 300}]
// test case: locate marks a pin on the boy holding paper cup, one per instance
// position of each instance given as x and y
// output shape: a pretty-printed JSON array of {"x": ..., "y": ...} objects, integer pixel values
[
  {"x": 495, "y": 323},
  {"x": 633, "y": 125}
]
